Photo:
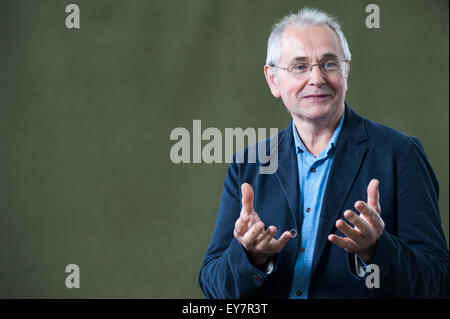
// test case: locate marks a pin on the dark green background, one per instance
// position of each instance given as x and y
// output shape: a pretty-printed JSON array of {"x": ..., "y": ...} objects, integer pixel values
[{"x": 85, "y": 118}]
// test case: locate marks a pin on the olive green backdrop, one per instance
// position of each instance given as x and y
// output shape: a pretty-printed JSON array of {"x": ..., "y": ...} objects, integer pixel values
[{"x": 85, "y": 118}]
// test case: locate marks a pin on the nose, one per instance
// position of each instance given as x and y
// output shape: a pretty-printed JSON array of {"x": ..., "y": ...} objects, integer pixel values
[{"x": 316, "y": 76}]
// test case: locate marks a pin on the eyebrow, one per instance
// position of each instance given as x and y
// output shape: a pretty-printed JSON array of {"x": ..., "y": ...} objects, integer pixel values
[{"x": 323, "y": 57}]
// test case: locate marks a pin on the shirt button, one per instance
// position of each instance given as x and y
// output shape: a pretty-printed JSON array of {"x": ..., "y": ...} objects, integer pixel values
[
  {"x": 308, "y": 210},
  {"x": 302, "y": 249},
  {"x": 313, "y": 169},
  {"x": 298, "y": 293}
]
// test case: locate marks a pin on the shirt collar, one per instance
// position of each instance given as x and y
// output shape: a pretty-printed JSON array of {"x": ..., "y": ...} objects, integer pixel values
[{"x": 300, "y": 147}]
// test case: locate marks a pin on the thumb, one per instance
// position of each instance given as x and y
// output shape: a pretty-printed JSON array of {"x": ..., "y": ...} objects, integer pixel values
[
  {"x": 373, "y": 195},
  {"x": 247, "y": 197}
]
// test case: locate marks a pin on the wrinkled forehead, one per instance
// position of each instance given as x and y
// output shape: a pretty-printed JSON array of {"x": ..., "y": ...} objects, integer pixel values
[{"x": 310, "y": 42}]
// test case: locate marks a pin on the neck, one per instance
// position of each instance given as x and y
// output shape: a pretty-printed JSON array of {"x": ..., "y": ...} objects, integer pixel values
[{"x": 316, "y": 134}]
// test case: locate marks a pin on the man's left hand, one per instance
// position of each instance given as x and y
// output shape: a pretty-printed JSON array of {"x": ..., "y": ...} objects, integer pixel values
[{"x": 368, "y": 226}]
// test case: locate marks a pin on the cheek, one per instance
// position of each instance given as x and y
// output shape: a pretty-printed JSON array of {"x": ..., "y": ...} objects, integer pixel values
[
  {"x": 339, "y": 86},
  {"x": 294, "y": 90}
]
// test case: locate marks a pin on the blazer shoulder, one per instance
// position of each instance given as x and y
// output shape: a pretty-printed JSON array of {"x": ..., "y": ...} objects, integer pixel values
[{"x": 385, "y": 135}]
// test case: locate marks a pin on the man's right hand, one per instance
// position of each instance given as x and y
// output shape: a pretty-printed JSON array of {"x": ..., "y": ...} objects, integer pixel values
[{"x": 249, "y": 230}]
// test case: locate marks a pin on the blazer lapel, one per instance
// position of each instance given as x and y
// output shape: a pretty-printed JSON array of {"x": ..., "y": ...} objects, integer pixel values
[
  {"x": 287, "y": 173},
  {"x": 346, "y": 163}
]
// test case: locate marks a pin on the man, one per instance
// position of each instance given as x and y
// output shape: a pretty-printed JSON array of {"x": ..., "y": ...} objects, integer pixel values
[{"x": 349, "y": 195}]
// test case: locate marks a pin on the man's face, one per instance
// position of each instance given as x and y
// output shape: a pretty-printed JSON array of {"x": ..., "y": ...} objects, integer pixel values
[{"x": 316, "y": 95}]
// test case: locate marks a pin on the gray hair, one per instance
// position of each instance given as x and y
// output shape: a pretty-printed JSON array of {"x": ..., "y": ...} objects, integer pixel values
[{"x": 306, "y": 17}]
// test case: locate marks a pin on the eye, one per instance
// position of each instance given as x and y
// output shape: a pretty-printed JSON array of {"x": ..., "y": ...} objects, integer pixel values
[
  {"x": 299, "y": 67},
  {"x": 330, "y": 65}
]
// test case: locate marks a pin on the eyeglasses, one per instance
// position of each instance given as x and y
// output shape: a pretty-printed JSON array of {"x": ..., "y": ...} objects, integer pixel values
[{"x": 303, "y": 69}]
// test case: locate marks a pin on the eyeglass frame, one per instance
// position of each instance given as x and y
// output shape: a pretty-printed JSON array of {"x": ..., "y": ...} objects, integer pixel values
[{"x": 310, "y": 66}]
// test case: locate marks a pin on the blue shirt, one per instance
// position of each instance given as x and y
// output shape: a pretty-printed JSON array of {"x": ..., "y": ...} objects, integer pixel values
[{"x": 313, "y": 174}]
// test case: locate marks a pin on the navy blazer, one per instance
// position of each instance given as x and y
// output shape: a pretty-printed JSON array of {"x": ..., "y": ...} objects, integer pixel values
[{"x": 411, "y": 253}]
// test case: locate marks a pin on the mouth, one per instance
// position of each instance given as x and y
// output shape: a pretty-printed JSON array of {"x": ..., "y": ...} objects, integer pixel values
[{"x": 317, "y": 97}]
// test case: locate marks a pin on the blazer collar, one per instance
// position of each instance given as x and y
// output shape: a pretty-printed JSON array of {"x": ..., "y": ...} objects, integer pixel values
[{"x": 353, "y": 131}]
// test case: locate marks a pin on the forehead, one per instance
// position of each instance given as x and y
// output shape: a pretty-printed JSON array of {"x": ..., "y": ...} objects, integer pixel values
[{"x": 311, "y": 42}]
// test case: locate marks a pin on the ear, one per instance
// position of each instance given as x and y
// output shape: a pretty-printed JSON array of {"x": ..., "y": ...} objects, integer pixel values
[
  {"x": 347, "y": 70},
  {"x": 270, "y": 78}
]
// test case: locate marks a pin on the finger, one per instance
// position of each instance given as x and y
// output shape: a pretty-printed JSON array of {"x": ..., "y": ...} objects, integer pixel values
[
  {"x": 247, "y": 197},
  {"x": 348, "y": 231},
  {"x": 356, "y": 220},
  {"x": 266, "y": 238},
  {"x": 278, "y": 245},
  {"x": 251, "y": 235},
  {"x": 345, "y": 243},
  {"x": 369, "y": 213},
  {"x": 241, "y": 225},
  {"x": 373, "y": 195}
]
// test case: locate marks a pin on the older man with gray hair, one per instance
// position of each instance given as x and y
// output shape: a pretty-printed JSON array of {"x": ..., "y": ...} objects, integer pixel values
[{"x": 356, "y": 202}]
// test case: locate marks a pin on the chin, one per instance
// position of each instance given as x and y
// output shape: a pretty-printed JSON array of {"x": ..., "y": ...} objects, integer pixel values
[{"x": 316, "y": 111}]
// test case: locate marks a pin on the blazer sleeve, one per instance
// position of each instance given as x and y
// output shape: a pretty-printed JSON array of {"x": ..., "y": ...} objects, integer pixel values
[
  {"x": 226, "y": 272},
  {"x": 414, "y": 263}
]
